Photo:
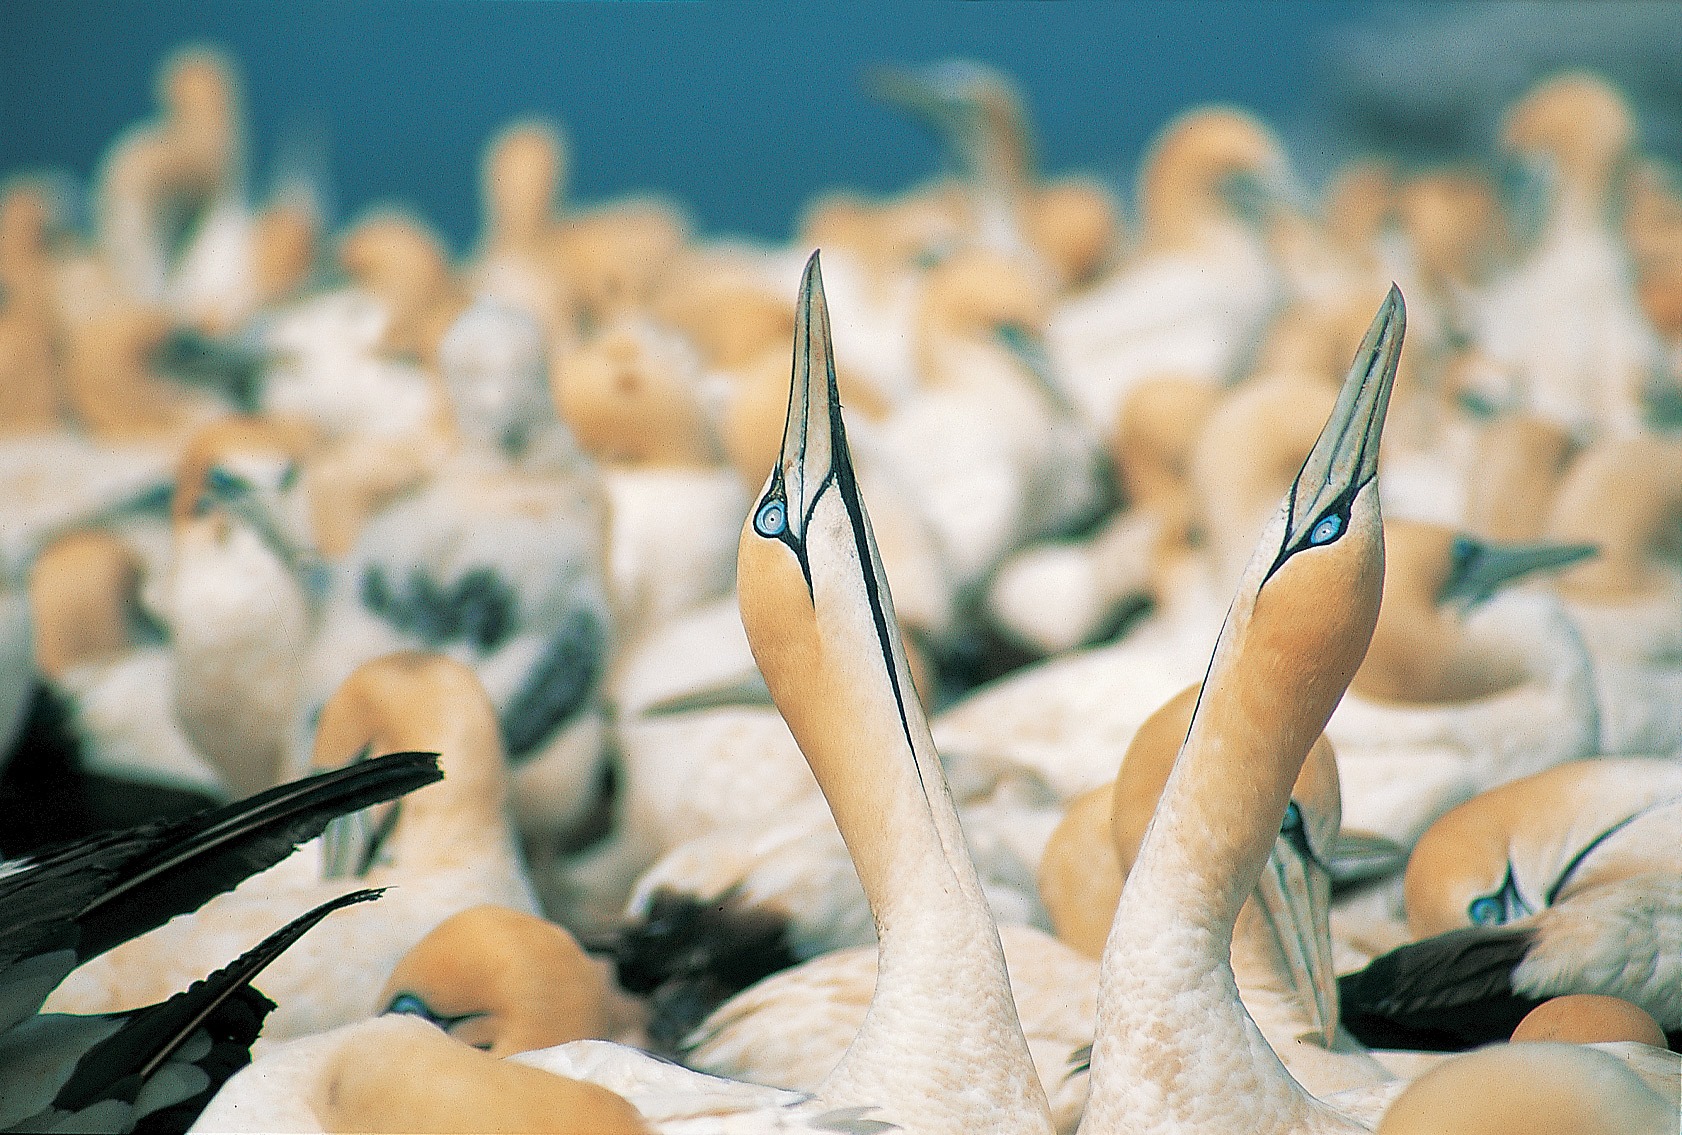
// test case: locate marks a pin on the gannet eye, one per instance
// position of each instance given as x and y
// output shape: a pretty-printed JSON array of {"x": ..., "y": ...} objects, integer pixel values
[
  {"x": 1486, "y": 911},
  {"x": 1293, "y": 818},
  {"x": 771, "y": 519},
  {"x": 410, "y": 1005},
  {"x": 1501, "y": 906},
  {"x": 1329, "y": 529}
]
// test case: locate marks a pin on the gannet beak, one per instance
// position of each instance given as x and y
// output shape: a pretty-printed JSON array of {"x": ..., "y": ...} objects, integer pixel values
[
  {"x": 1295, "y": 894},
  {"x": 1029, "y": 349},
  {"x": 1480, "y": 569},
  {"x": 930, "y": 94},
  {"x": 1345, "y": 456},
  {"x": 235, "y": 496},
  {"x": 814, "y": 448}
]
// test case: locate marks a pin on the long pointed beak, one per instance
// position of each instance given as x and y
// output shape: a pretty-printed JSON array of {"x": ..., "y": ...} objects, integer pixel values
[
  {"x": 814, "y": 446},
  {"x": 231, "y": 493},
  {"x": 928, "y": 94},
  {"x": 1480, "y": 569},
  {"x": 1029, "y": 349},
  {"x": 1295, "y": 895},
  {"x": 1345, "y": 456}
]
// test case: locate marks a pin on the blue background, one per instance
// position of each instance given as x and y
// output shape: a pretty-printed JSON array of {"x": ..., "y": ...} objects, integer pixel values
[{"x": 743, "y": 111}]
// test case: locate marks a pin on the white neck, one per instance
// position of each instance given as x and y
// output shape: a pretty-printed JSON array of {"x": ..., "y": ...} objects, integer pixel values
[
  {"x": 1175, "y": 1050},
  {"x": 941, "y": 1048}
]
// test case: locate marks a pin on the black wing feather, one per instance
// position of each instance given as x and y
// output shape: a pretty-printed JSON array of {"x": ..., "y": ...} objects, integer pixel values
[
  {"x": 119, "y": 1066},
  {"x": 1447, "y": 993},
  {"x": 119, "y": 885},
  {"x": 556, "y": 686}
]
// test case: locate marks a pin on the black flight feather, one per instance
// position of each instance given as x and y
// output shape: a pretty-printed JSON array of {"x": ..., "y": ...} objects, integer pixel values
[
  {"x": 208, "y": 1028},
  {"x": 118, "y": 885},
  {"x": 1447, "y": 993}
]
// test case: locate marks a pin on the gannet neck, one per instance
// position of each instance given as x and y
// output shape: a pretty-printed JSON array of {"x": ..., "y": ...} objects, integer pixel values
[
  {"x": 820, "y": 620},
  {"x": 1180, "y": 183},
  {"x": 1625, "y": 496},
  {"x": 411, "y": 701},
  {"x": 1175, "y": 1049}
]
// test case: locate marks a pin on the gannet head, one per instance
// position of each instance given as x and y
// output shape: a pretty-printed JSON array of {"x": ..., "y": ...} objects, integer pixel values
[
  {"x": 241, "y": 478},
  {"x": 1624, "y": 495},
  {"x": 412, "y": 701},
  {"x": 519, "y": 179},
  {"x": 614, "y": 257},
  {"x": 976, "y": 108},
  {"x": 814, "y": 597},
  {"x": 500, "y": 980},
  {"x": 400, "y": 1074},
  {"x": 198, "y": 88},
  {"x": 1530, "y": 1089},
  {"x": 1075, "y": 224},
  {"x": 1303, "y": 613},
  {"x": 1209, "y": 162},
  {"x": 82, "y": 592},
  {"x": 1494, "y": 859},
  {"x": 631, "y": 396},
  {"x": 1576, "y": 119}
]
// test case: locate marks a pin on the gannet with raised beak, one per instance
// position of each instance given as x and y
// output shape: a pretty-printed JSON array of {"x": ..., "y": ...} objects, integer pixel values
[
  {"x": 941, "y": 1049},
  {"x": 1175, "y": 1048}
]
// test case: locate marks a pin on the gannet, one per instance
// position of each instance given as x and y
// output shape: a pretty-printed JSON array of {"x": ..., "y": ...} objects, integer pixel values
[
  {"x": 1562, "y": 882},
  {"x": 820, "y": 620},
  {"x": 1175, "y": 1049}
]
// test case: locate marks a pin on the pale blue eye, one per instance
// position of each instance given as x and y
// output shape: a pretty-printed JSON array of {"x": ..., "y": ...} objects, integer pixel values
[
  {"x": 1487, "y": 911},
  {"x": 771, "y": 519},
  {"x": 1327, "y": 530}
]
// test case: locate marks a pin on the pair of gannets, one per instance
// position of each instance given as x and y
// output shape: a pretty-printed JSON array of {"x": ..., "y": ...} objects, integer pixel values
[
  {"x": 940, "y": 1047},
  {"x": 442, "y": 850},
  {"x": 792, "y": 1028}
]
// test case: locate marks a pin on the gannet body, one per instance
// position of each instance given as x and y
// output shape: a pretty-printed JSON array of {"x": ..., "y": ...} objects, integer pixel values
[{"x": 1565, "y": 880}]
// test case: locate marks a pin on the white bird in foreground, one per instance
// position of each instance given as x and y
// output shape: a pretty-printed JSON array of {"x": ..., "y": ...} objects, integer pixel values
[{"x": 1563, "y": 882}]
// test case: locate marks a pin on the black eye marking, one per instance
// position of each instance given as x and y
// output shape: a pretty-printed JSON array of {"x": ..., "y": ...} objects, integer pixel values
[
  {"x": 1293, "y": 832},
  {"x": 1331, "y": 525},
  {"x": 772, "y": 519}
]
